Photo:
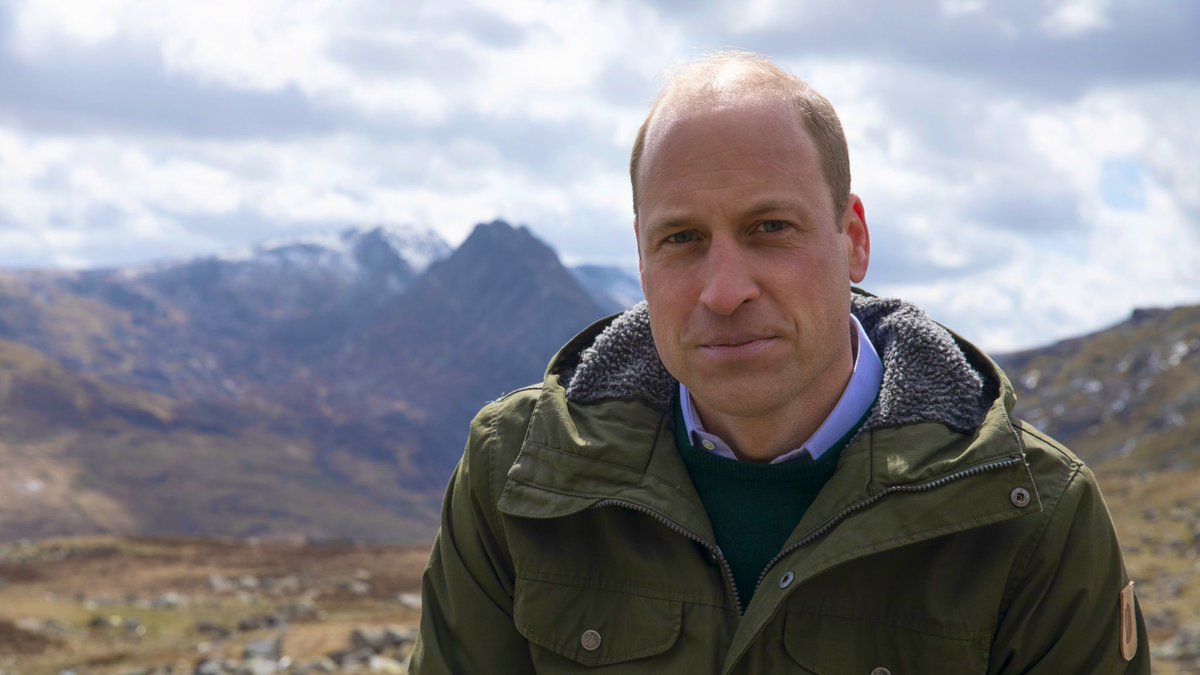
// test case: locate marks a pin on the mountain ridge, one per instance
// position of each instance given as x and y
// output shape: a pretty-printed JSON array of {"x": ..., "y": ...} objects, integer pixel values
[{"x": 189, "y": 398}]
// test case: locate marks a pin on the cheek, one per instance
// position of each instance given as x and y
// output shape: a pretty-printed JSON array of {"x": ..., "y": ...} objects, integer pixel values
[
  {"x": 666, "y": 293},
  {"x": 663, "y": 334}
]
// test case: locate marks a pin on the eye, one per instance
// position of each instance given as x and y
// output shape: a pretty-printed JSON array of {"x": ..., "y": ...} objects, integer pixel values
[
  {"x": 682, "y": 237},
  {"x": 772, "y": 226}
]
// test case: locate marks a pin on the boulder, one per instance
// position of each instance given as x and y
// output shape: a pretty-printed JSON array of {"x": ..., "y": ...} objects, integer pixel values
[{"x": 267, "y": 648}]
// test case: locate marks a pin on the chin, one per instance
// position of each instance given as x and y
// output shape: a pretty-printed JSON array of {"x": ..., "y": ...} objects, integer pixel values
[{"x": 738, "y": 401}]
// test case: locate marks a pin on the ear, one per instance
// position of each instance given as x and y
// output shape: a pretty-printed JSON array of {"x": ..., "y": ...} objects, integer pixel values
[
  {"x": 641, "y": 266},
  {"x": 857, "y": 238}
]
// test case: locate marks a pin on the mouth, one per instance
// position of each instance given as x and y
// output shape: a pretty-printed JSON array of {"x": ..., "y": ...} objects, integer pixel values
[
  {"x": 734, "y": 340},
  {"x": 737, "y": 346}
]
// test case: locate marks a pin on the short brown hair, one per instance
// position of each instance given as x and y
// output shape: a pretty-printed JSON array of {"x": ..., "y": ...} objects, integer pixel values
[{"x": 728, "y": 77}]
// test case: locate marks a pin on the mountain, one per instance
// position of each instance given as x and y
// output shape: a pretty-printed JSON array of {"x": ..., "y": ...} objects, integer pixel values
[
  {"x": 302, "y": 382},
  {"x": 613, "y": 288},
  {"x": 323, "y": 386},
  {"x": 1128, "y": 395},
  {"x": 216, "y": 327}
]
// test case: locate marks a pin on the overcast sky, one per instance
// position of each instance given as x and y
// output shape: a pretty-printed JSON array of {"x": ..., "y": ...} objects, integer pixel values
[{"x": 1030, "y": 168}]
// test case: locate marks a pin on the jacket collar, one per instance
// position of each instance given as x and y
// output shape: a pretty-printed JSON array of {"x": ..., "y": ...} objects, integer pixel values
[
  {"x": 601, "y": 427},
  {"x": 927, "y": 376}
]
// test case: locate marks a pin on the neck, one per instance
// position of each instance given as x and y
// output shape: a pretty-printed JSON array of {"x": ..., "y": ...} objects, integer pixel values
[{"x": 763, "y": 435}]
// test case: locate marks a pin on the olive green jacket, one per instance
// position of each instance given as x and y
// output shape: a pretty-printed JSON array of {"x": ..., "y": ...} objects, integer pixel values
[{"x": 951, "y": 539}]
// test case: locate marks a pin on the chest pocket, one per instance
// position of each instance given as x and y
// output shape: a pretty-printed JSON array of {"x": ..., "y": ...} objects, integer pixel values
[
  {"x": 833, "y": 645},
  {"x": 572, "y": 629}
]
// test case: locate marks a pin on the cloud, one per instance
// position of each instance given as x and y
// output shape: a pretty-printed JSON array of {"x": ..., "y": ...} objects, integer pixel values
[
  {"x": 1077, "y": 17},
  {"x": 123, "y": 89},
  {"x": 1011, "y": 155},
  {"x": 1051, "y": 51}
]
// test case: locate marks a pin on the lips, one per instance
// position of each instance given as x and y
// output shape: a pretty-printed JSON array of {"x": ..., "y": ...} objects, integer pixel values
[
  {"x": 737, "y": 347},
  {"x": 733, "y": 340}
]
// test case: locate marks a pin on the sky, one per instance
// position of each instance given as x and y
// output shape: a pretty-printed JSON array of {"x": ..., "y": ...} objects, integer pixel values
[{"x": 1030, "y": 168}]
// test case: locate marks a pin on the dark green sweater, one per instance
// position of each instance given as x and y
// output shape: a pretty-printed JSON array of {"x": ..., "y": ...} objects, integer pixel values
[{"x": 754, "y": 507}]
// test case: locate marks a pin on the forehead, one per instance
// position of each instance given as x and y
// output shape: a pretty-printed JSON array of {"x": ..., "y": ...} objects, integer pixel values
[{"x": 726, "y": 147}]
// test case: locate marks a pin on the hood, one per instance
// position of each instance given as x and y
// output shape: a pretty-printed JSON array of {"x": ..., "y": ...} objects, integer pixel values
[{"x": 928, "y": 376}]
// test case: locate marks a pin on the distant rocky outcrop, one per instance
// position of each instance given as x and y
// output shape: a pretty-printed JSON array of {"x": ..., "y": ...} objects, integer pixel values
[
  {"x": 318, "y": 387},
  {"x": 1128, "y": 395}
]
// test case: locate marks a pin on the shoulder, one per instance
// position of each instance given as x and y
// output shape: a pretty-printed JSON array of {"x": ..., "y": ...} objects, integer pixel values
[
  {"x": 496, "y": 435},
  {"x": 1057, "y": 471},
  {"x": 1074, "y": 513}
]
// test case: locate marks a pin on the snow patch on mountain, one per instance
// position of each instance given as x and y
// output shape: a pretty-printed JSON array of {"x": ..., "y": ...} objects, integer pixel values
[{"x": 344, "y": 250}]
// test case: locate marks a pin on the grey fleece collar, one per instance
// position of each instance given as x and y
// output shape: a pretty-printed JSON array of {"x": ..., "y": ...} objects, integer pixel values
[{"x": 926, "y": 377}]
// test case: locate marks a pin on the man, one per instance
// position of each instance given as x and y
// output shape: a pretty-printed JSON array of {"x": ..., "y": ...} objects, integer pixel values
[{"x": 761, "y": 469}]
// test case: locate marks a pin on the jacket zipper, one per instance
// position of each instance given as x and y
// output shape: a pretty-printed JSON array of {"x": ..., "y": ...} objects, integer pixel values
[
  {"x": 859, "y": 506},
  {"x": 676, "y": 527}
]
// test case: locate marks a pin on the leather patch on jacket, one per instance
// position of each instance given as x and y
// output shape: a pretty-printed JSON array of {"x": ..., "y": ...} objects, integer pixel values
[{"x": 1129, "y": 641}]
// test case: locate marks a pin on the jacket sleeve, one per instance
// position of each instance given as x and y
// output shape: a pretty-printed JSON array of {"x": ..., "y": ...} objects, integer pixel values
[
  {"x": 467, "y": 588},
  {"x": 1065, "y": 612}
]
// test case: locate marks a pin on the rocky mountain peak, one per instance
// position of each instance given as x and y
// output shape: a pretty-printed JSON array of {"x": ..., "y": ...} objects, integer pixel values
[{"x": 499, "y": 237}]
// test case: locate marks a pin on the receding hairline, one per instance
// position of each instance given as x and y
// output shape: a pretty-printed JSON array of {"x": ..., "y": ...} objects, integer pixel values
[
  {"x": 737, "y": 79},
  {"x": 673, "y": 114}
]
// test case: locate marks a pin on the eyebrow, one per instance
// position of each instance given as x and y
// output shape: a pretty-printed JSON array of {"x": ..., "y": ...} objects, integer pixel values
[{"x": 771, "y": 205}]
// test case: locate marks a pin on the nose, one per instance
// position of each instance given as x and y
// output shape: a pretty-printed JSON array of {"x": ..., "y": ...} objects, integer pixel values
[{"x": 729, "y": 280}]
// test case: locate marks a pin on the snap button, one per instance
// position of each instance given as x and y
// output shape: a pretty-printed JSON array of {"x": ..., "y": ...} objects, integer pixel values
[
  {"x": 881, "y": 671},
  {"x": 590, "y": 640},
  {"x": 1019, "y": 497},
  {"x": 708, "y": 445},
  {"x": 786, "y": 580}
]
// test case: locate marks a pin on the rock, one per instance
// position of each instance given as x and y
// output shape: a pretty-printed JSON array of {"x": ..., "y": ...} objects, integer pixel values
[
  {"x": 209, "y": 667},
  {"x": 348, "y": 658},
  {"x": 261, "y": 622},
  {"x": 383, "y": 664},
  {"x": 361, "y": 575},
  {"x": 133, "y": 627},
  {"x": 248, "y": 582},
  {"x": 325, "y": 665},
  {"x": 1184, "y": 645},
  {"x": 216, "y": 631},
  {"x": 410, "y": 600},
  {"x": 219, "y": 584},
  {"x": 38, "y": 626},
  {"x": 395, "y": 637},
  {"x": 287, "y": 585},
  {"x": 374, "y": 639},
  {"x": 260, "y": 666},
  {"x": 169, "y": 600},
  {"x": 267, "y": 648},
  {"x": 301, "y": 611},
  {"x": 357, "y": 587}
]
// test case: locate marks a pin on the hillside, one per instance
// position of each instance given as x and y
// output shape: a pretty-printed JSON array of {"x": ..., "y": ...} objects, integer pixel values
[
  {"x": 81, "y": 456},
  {"x": 304, "y": 388},
  {"x": 1127, "y": 396},
  {"x": 322, "y": 387}
]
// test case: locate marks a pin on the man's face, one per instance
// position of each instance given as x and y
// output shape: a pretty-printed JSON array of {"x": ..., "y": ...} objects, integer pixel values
[{"x": 743, "y": 265}]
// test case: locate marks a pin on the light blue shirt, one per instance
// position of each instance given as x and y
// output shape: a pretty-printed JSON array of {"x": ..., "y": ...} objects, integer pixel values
[{"x": 856, "y": 399}]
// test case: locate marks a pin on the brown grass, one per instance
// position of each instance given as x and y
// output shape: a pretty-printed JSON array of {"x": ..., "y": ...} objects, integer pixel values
[{"x": 74, "y": 582}]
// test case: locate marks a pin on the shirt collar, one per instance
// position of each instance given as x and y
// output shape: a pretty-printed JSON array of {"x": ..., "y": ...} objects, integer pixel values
[{"x": 856, "y": 399}]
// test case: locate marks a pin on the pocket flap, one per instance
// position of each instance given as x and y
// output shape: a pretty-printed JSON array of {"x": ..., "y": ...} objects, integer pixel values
[
  {"x": 595, "y": 627},
  {"x": 834, "y": 645}
]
